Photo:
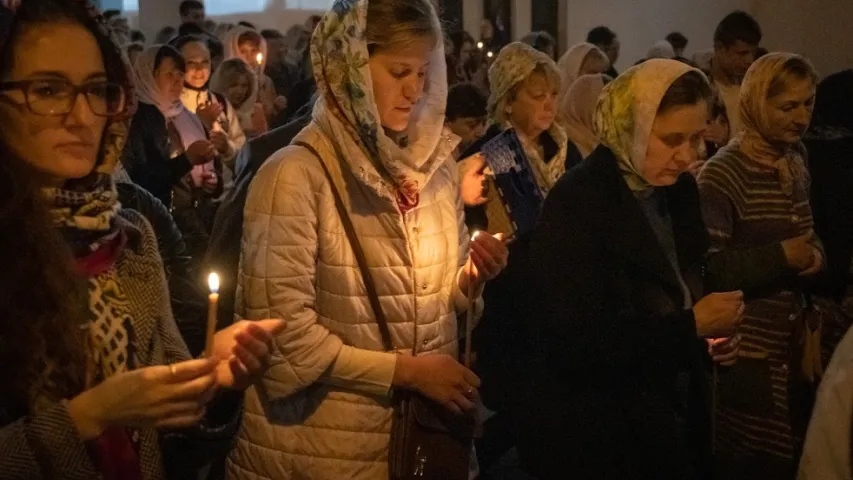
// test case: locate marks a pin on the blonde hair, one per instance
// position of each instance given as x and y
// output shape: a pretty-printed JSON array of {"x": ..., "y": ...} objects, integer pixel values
[
  {"x": 395, "y": 23},
  {"x": 229, "y": 73},
  {"x": 552, "y": 77}
]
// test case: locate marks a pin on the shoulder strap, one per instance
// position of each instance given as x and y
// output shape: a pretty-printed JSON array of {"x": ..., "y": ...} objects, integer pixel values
[{"x": 372, "y": 293}]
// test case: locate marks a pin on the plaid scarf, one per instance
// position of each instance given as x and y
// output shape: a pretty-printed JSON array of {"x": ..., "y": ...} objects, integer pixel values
[{"x": 87, "y": 220}]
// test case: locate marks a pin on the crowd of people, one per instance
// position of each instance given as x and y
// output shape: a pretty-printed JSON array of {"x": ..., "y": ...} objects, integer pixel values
[{"x": 680, "y": 309}]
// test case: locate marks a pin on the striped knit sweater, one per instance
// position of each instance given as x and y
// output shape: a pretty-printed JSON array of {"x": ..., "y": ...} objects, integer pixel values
[{"x": 748, "y": 216}]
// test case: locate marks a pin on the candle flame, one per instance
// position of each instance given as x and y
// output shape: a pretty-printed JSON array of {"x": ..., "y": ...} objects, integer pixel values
[
  {"x": 474, "y": 235},
  {"x": 213, "y": 282},
  {"x": 480, "y": 45},
  {"x": 260, "y": 58},
  {"x": 490, "y": 54}
]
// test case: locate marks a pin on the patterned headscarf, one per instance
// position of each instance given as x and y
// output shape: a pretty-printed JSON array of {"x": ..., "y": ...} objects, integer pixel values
[
  {"x": 346, "y": 109},
  {"x": 577, "y": 110},
  {"x": 85, "y": 211},
  {"x": 571, "y": 62},
  {"x": 626, "y": 112},
  {"x": 515, "y": 64},
  {"x": 755, "y": 138}
]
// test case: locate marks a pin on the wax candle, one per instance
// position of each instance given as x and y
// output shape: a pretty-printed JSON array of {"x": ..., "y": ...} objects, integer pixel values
[
  {"x": 213, "y": 301},
  {"x": 469, "y": 319}
]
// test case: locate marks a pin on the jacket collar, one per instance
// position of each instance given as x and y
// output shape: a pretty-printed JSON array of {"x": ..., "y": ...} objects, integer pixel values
[{"x": 627, "y": 230}]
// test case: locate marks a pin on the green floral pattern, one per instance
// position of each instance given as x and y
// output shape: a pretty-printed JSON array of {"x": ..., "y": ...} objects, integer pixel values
[{"x": 627, "y": 109}]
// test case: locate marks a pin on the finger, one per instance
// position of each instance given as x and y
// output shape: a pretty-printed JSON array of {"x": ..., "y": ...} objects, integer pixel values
[
  {"x": 251, "y": 361},
  {"x": 238, "y": 370},
  {"x": 492, "y": 245},
  {"x": 463, "y": 403},
  {"x": 488, "y": 262},
  {"x": 181, "y": 421},
  {"x": 192, "y": 389},
  {"x": 273, "y": 326},
  {"x": 258, "y": 348},
  {"x": 471, "y": 378},
  {"x": 178, "y": 409},
  {"x": 451, "y": 405},
  {"x": 192, "y": 369}
]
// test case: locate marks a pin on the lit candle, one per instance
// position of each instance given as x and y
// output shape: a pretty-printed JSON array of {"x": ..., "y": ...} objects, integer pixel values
[
  {"x": 490, "y": 54},
  {"x": 213, "y": 300},
  {"x": 260, "y": 58},
  {"x": 469, "y": 320},
  {"x": 480, "y": 45}
]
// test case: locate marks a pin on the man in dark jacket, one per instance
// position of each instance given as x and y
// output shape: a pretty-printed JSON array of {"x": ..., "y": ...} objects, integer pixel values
[{"x": 223, "y": 252}]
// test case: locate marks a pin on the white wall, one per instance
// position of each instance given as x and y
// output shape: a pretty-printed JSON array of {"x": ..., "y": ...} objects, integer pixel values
[
  {"x": 640, "y": 24},
  {"x": 822, "y": 30}
]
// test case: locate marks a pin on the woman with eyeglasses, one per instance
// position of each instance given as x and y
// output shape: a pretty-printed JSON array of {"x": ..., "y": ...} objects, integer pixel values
[{"x": 97, "y": 382}]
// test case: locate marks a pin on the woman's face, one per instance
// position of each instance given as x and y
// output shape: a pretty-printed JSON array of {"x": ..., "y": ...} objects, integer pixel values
[
  {"x": 534, "y": 108},
  {"x": 594, "y": 63},
  {"x": 197, "y": 58},
  {"x": 790, "y": 112},
  {"x": 249, "y": 52},
  {"x": 239, "y": 91},
  {"x": 61, "y": 147},
  {"x": 466, "y": 53},
  {"x": 169, "y": 79},
  {"x": 399, "y": 76},
  {"x": 674, "y": 143}
]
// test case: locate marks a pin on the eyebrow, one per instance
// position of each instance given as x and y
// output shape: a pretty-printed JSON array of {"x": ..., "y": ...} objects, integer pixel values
[{"x": 61, "y": 75}]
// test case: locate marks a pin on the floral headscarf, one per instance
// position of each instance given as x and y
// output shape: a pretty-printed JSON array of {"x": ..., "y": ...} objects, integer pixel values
[
  {"x": 577, "y": 110},
  {"x": 571, "y": 62},
  {"x": 627, "y": 109},
  {"x": 346, "y": 108},
  {"x": 754, "y": 140}
]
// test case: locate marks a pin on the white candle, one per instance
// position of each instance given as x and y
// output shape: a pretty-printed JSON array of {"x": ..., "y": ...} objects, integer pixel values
[
  {"x": 213, "y": 301},
  {"x": 469, "y": 318}
]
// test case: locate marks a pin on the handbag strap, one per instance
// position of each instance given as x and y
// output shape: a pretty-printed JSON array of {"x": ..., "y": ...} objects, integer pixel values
[{"x": 372, "y": 294}]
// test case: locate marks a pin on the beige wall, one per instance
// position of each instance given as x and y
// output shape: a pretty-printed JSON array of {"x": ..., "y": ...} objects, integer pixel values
[
  {"x": 822, "y": 30},
  {"x": 640, "y": 23}
]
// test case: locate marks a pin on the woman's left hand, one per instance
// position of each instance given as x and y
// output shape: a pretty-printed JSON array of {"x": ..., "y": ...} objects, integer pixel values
[
  {"x": 489, "y": 257},
  {"x": 816, "y": 266},
  {"x": 244, "y": 350},
  {"x": 724, "y": 351}
]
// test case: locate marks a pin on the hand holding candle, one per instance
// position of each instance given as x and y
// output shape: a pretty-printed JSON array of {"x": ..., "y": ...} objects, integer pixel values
[{"x": 489, "y": 257}]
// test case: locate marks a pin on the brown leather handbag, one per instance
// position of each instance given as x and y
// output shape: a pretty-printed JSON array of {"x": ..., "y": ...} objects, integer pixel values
[{"x": 428, "y": 442}]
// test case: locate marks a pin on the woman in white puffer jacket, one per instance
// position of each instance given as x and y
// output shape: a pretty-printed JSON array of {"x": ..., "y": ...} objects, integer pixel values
[{"x": 323, "y": 410}]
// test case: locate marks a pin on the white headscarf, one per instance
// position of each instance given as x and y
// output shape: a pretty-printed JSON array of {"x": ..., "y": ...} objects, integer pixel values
[
  {"x": 571, "y": 62},
  {"x": 189, "y": 126},
  {"x": 577, "y": 110},
  {"x": 661, "y": 49},
  {"x": 231, "y": 44}
]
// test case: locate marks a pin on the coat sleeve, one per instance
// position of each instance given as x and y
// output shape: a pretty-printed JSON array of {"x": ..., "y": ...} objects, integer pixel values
[
  {"x": 278, "y": 277},
  {"x": 731, "y": 268},
  {"x": 44, "y": 445}
]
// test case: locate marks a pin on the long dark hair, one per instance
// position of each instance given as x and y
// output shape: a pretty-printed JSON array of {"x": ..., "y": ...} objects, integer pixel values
[{"x": 42, "y": 301}]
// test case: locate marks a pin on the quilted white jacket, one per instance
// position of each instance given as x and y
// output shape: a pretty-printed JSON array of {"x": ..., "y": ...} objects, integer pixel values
[{"x": 322, "y": 410}]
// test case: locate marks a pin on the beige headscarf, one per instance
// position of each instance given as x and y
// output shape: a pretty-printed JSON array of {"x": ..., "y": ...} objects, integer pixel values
[
  {"x": 627, "y": 109},
  {"x": 514, "y": 64},
  {"x": 571, "y": 62},
  {"x": 577, "y": 110},
  {"x": 754, "y": 140}
]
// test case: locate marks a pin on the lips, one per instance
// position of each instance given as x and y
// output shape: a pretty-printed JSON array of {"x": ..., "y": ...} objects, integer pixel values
[{"x": 76, "y": 148}]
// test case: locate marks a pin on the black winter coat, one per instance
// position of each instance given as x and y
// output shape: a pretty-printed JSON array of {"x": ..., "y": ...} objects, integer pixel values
[{"x": 616, "y": 383}]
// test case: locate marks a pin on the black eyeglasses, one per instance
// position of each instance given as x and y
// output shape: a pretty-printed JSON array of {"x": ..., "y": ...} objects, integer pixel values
[{"x": 51, "y": 97}]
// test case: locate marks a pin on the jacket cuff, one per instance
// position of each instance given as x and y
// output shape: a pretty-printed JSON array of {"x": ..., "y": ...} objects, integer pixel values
[{"x": 365, "y": 371}]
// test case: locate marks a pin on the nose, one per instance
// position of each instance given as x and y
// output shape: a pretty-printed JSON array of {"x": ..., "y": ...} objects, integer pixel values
[
  {"x": 81, "y": 114},
  {"x": 685, "y": 155}
]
